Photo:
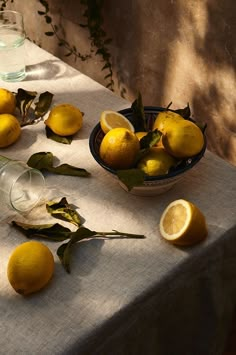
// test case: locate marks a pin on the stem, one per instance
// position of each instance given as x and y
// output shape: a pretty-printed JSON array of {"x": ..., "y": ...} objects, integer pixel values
[{"x": 117, "y": 233}]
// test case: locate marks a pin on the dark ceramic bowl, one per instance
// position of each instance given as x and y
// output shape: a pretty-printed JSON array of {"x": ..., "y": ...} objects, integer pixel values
[{"x": 152, "y": 185}]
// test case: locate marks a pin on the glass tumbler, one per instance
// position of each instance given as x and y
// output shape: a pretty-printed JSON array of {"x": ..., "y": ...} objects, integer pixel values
[
  {"x": 21, "y": 187},
  {"x": 12, "y": 51}
]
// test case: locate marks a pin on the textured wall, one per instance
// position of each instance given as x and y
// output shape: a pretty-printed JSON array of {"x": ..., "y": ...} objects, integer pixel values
[{"x": 169, "y": 50}]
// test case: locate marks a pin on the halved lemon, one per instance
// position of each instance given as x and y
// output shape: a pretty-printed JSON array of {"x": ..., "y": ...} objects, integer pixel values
[
  {"x": 183, "y": 223},
  {"x": 111, "y": 119}
]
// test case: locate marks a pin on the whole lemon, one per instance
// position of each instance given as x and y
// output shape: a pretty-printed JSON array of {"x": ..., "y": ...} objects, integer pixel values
[
  {"x": 183, "y": 139},
  {"x": 65, "y": 120},
  {"x": 10, "y": 130},
  {"x": 156, "y": 162},
  {"x": 165, "y": 119},
  {"x": 7, "y": 101},
  {"x": 119, "y": 148},
  {"x": 30, "y": 267}
]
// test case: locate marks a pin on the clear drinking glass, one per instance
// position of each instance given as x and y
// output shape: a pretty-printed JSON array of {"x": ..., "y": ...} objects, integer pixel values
[
  {"x": 21, "y": 187},
  {"x": 12, "y": 51}
]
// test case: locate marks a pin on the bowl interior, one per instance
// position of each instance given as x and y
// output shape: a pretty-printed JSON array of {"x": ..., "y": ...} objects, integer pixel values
[{"x": 97, "y": 135}]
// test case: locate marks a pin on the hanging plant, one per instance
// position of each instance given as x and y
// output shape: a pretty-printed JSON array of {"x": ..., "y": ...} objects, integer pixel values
[{"x": 98, "y": 38}]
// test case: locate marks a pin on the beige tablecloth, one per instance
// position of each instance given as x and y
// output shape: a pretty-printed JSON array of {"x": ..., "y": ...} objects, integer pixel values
[{"x": 123, "y": 296}]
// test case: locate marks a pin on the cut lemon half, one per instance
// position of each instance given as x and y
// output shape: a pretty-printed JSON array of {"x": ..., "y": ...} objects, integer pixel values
[
  {"x": 183, "y": 223},
  {"x": 111, "y": 119}
]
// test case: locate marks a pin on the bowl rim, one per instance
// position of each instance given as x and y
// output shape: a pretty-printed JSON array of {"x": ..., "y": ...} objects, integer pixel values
[{"x": 147, "y": 109}]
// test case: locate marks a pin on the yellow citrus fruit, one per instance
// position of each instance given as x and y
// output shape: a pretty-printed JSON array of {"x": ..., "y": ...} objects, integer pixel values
[
  {"x": 183, "y": 139},
  {"x": 156, "y": 162},
  {"x": 10, "y": 130},
  {"x": 7, "y": 101},
  {"x": 111, "y": 119},
  {"x": 65, "y": 120},
  {"x": 119, "y": 148},
  {"x": 30, "y": 267},
  {"x": 165, "y": 119},
  {"x": 140, "y": 135},
  {"x": 183, "y": 223}
]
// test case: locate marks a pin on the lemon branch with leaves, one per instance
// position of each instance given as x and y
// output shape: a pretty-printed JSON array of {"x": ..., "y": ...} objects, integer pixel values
[{"x": 58, "y": 233}]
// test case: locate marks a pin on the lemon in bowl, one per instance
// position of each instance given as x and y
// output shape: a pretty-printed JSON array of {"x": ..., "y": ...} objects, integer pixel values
[{"x": 152, "y": 184}]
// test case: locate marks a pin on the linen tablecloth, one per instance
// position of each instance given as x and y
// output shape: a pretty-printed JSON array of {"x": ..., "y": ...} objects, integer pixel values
[{"x": 122, "y": 296}]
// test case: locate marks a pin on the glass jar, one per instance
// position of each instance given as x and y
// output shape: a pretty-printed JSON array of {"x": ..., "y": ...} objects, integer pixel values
[{"x": 21, "y": 187}]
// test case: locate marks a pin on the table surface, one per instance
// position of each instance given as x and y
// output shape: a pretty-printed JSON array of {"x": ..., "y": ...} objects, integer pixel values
[{"x": 122, "y": 296}]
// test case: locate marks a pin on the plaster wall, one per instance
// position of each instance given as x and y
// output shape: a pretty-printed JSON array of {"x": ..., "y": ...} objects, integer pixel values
[{"x": 170, "y": 50}]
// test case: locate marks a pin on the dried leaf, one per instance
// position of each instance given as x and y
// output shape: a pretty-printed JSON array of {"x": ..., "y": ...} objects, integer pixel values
[
  {"x": 43, "y": 104},
  {"x": 62, "y": 210},
  {"x": 24, "y": 100}
]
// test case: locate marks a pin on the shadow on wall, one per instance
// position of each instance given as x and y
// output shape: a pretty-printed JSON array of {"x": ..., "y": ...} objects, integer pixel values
[
  {"x": 181, "y": 52},
  {"x": 217, "y": 103}
]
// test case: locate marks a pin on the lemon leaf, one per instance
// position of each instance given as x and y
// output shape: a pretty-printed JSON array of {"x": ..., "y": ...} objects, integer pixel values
[
  {"x": 151, "y": 139},
  {"x": 41, "y": 160},
  {"x": 44, "y": 161},
  {"x": 131, "y": 177},
  {"x": 62, "y": 210},
  {"x": 24, "y": 100},
  {"x": 184, "y": 112},
  {"x": 55, "y": 137},
  {"x": 43, "y": 104},
  {"x": 64, "y": 250},
  {"x": 139, "y": 121},
  {"x": 55, "y": 232},
  {"x": 66, "y": 169}
]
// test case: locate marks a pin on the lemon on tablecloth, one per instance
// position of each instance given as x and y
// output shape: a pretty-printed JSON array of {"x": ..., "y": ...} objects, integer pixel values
[
  {"x": 111, "y": 119},
  {"x": 65, "y": 120},
  {"x": 183, "y": 223},
  {"x": 30, "y": 267}
]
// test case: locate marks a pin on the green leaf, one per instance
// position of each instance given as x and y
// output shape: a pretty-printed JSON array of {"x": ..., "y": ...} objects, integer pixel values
[
  {"x": 151, "y": 139},
  {"x": 44, "y": 161},
  {"x": 24, "y": 100},
  {"x": 138, "y": 114},
  {"x": 63, "y": 253},
  {"x": 184, "y": 112},
  {"x": 43, "y": 104},
  {"x": 66, "y": 169},
  {"x": 131, "y": 177},
  {"x": 55, "y": 137},
  {"x": 54, "y": 232},
  {"x": 62, "y": 210},
  {"x": 41, "y": 161}
]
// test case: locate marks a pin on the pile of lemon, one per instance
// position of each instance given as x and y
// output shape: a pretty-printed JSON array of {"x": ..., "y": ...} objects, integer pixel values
[
  {"x": 120, "y": 146},
  {"x": 10, "y": 129}
]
